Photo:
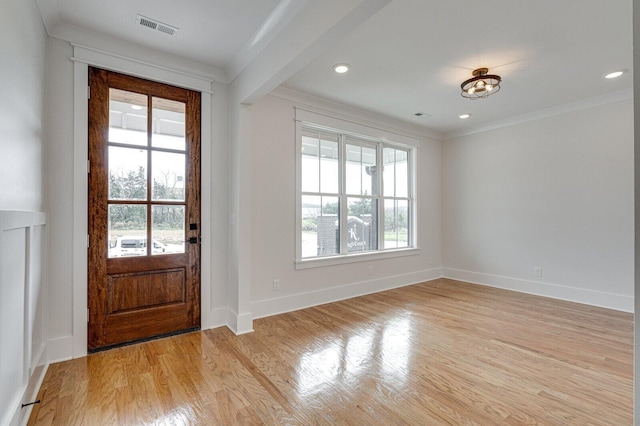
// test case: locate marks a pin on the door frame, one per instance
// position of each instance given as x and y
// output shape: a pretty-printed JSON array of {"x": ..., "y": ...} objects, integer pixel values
[
  {"x": 76, "y": 345},
  {"x": 113, "y": 320}
]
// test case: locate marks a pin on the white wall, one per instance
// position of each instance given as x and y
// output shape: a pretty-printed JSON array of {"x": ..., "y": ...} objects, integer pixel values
[
  {"x": 555, "y": 193},
  {"x": 22, "y": 83},
  {"x": 273, "y": 208},
  {"x": 22, "y": 198}
]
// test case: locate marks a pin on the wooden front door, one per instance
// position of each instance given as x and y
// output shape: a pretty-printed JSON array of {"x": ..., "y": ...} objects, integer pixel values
[{"x": 144, "y": 209}]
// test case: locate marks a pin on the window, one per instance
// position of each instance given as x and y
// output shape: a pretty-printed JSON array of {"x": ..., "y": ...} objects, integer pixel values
[{"x": 355, "y": 196}]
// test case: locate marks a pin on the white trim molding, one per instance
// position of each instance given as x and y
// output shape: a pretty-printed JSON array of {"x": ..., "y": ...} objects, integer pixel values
[
  {"x": 294, "y": 302},
  {"x": 602, "y": 299},
  {"x": 316, "y": 262},
  {"x": 543, "y": 113},
  {"x": 120, "y": 63},
  {"x": 343, "y": 123},
  {"x": 361, "y": 116},
  {"x": 240, "y": 323},
  {"x": 23, "y": 311}
]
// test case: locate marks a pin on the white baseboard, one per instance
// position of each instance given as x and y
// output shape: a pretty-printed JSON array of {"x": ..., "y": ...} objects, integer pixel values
[
  {"x": 215, "y": 318},
  {"x": 60, "y": 349},
  {"x": 294, "y": 302},
  {"x": 603, "y": 299},
  {"x": 20, "y": 416},
  {"x": 35, "y": 381},
  {"x": 240, "y": 323},
  {"x": 12, "y": 418}
]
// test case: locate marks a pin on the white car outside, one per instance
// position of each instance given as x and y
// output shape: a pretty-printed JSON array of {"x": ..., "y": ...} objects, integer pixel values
[{"x": 133, "y": 246}]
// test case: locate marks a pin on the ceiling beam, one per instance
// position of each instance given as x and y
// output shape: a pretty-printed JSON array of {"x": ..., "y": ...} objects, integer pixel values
[{"x": 312, "y": 30}]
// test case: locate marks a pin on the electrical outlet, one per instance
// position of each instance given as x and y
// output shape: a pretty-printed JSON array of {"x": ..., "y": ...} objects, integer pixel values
[
  {"x": 537, "y": 272},
  {"x": 276, "y": 285},
  {"x": 430, "y": 260},
  {"x": 370, "y": 270}
]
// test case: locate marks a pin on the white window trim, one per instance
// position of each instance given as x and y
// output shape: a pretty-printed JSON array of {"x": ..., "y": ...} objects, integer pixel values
[{"x": 360, "y": 131}]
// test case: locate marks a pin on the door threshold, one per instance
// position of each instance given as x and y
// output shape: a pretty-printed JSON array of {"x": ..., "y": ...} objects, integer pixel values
[{"x": 146, "y": 339}]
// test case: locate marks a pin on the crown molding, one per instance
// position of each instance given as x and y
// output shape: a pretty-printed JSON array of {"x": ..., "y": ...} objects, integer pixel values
[
  {"x": 543, "y": 113},
  {"x": 347, "y": 112}
]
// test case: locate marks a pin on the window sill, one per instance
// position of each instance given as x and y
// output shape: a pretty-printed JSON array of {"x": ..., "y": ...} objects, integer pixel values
[{"x": 353, "y": 258}]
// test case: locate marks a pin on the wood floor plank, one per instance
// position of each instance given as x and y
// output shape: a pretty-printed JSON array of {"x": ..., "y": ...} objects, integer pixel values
[{"x": 438, "y": 353}]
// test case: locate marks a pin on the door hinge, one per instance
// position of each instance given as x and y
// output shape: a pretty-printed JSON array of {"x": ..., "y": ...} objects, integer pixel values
[
  {"x": 87, "y": 240},
  {"x": 87, "y": 314},
  {"x": 88, "y": 92},
  {"x": 88, "y": 166}
]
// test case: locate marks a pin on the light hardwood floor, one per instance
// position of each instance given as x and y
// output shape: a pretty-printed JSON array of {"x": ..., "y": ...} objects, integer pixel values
[{"x": 442, "y": 352}]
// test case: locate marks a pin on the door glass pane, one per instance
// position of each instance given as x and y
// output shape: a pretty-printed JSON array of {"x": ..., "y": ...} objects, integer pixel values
[
  {"x": 127, "y": 230},
  {"x": 127, "y": 117},
  {"x": 361, "y": 177},
  {"x": 168, "y": 171},
  {"x": 167, "y": 229},
  {"x": 396, "y": 223},
  {"x": 127, "y": 173},
  {"x": 362, "y": 234},
  {"x": 168, "y": 124}
]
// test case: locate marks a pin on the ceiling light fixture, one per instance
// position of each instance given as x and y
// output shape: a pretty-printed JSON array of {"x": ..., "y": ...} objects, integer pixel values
[
  {"x": 614, "y": 74},
  {"x": 341, "y": 68},
  {"x": 465, "y": 116},
  {"x": 481, "y": 84}
]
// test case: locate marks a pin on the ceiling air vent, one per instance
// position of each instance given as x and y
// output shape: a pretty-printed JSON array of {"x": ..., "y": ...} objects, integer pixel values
[{"x": 156, "y": 25}]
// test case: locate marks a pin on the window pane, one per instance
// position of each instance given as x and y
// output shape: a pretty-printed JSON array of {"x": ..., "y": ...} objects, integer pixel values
[
  {"x": 389, "y": 172},
  {"x": 127, "y": 230},
  {"x": 396, "y": 172},
  {"x": 396, "y": 223},
  {"x": 361, "y": 177},
  {"x": 168, "y": 124},
  {"x": 127, "y": 173},
  {"x": 329, "y": 167},
  {"x": 320, "y": 166},
  {"x": 168, "y": 176},
  {"x": 167, "y": 229},
  {"x": 402, "y": 173},
  {"x": 127, "y": 117},
  {"x": 310, "y": 164},
  {"x": 320, "y": 229},
  {"x": 362, "y": 225}
]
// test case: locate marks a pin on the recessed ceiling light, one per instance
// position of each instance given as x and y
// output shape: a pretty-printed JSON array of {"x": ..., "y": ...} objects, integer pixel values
[
  {"x": 463, "y": 116},
  {"x": 136, "y": 107},
  {"x": 614, "y": 74},
  {"x": 341, "y": 68}
]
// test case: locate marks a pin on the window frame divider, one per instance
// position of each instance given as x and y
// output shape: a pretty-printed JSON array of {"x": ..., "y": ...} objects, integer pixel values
[{"x": 344, "y": 256}]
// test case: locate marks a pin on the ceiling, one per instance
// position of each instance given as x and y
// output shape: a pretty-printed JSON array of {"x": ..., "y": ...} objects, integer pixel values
[{"x": 409, "y": 56}]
